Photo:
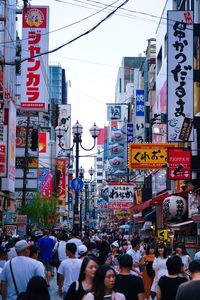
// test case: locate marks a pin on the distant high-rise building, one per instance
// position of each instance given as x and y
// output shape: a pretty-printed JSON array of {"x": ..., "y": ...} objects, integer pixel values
[{"x": 57, "y": 85}]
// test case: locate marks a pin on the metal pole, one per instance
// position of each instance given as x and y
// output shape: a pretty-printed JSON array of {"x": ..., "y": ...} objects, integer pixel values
[
  {"x": 76, "y": 219},
  {"x": 25, "y": 166}
]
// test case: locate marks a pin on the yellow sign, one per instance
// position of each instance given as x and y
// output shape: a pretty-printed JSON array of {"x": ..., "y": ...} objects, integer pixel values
[
  {"x": 162, "y": 234},
  {"x": 148, "y": 156}
]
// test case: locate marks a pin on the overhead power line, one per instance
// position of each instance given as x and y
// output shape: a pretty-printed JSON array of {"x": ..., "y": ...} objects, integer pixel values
[{"x": 74, "y": 39}]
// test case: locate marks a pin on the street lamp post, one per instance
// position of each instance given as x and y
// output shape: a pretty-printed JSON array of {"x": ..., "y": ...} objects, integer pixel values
[{"x": 77, "y": 131}]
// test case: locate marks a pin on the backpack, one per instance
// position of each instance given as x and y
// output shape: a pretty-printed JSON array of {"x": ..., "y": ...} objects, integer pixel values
[{"x": 149, "y": 268}]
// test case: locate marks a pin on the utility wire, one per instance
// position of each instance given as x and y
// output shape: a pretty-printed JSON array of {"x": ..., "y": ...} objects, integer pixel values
[{"x": 74, "y": 39}]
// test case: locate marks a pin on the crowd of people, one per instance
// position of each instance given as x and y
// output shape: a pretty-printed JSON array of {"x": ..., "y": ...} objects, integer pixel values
[{"x": 96, "y": 267}]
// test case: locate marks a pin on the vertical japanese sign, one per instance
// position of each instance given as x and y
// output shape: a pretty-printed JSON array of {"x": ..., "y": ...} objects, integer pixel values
[
  {"x": 3, "y": 149},
  {"x": 180, "y": 76},
  {"x": 139, "y": 117},
  {"x": 61, "y": 165},
  {"x": 34, "y": 83}
]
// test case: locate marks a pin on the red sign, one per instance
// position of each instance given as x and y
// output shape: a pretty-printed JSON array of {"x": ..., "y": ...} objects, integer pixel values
[
  {"x": 120, "y": 205},
  {"x": 61, "y": 165},
  {"x": 42, "y": 142},
  {"x": 179, "y": 163},
  {"x": 2, "y": 160}
]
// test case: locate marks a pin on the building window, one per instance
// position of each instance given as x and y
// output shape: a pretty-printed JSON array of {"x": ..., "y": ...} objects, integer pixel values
[
  {"x": 159, "y": 60},
  {"x": 99, "y": 181},
  {"x": 99, "y": 167},
  {"x": 99, "y": 173}
]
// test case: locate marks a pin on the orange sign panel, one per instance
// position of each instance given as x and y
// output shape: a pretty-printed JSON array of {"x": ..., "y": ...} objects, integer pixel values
[{"x": 148, "y": 156}]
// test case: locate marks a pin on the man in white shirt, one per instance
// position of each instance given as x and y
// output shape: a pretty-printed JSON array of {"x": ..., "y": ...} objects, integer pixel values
[
  {"x": 23, "y": 267},
  {"x": 136, "y": 256},
  {"x": 197, "y": 256},
  {"x": 69, "y": 269}
]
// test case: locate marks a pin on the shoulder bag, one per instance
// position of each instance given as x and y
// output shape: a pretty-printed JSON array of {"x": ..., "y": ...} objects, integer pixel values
[{"x": 13, "y": 278}]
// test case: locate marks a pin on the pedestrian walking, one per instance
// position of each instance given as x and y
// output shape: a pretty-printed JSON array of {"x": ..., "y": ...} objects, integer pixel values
[
  {"x": 191, "y": 289},
  {"x": 37, "y": 289},
  {"x": 46, "y": 245},
  {"x": 126, "y": 283},
  {"x": 69, "y": 269},
  {"x": 134, "y": 252},
  {"x": 148, "y": 272},
  {"x": 168, "y": 284},
  {"x": 84, "y": 284},
  {"x": 18, "y": 271},
  {"x": 104, "y": 249},
  {"x": 104, "y": 285},
  {"x": 186, "y": 259},
  {"x": 159, "y": 266}
]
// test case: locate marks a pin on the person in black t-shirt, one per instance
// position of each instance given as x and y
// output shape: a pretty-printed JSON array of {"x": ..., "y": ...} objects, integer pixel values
[
  {"x": 129, "y": 285},
  {"x": 168, "y": 285}
]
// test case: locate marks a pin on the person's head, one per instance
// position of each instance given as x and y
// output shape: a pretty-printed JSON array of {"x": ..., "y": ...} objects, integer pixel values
[
  {"x": 174, "y": 265},
  {"x": 37, "y": 289},
  {"x": 194, "y": 268},
  {"x": 90, "y": 246},
  {"x": 88, "y": 268},
  {"x": 104, "y": 280},
  {"x": 135, "y": 243},
  {"x": 125, "y": 261},
  {"x": 150, "y": 250},
  {"x": 71, "y": 249},
  {"x": 82, "y": 251},
  {"x": 124, "y": 245},
  {"x": 161, "y": 250},
  {"x": 46, "y": 232},
  {"x": 22, "y": 248},
  {"x": 3, "y": 253},
  {"x": 90, "y": 233},
  {"x": 34, "y": 251},
  {"x": 180, "y": 249},
  {"x": 115, "y": 246}
]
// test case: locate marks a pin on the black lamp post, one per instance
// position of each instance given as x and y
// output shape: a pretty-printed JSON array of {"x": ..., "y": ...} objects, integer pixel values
[{"x": 77, "y": 131}]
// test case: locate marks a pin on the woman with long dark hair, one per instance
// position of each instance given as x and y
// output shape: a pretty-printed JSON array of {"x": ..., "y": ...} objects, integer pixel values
[
  {"x": 159, "y": 266},
  {"x": 84, "y": 283},
  {"x": 37, "y": 289},
  {"x": 104, "y": 285}
]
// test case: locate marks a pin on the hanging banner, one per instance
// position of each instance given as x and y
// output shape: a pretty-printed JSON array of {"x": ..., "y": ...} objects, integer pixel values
[
  {"x": 180, "y": 92},
  {"x": 139, "y": 129},
  {"x": 179, "y": 164},
  {"x": 34, "y": 70},
  {"x": 114, "y": 112}
]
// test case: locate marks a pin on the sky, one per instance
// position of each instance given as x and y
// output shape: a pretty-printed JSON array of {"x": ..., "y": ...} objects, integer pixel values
[{"x": 92, "y": 62}]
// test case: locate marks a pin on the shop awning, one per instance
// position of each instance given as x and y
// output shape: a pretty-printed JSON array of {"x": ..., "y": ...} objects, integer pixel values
[
  {"x": 182, "y": 223},
  {"x": 158, "y": 200},
  {"x": 140, "y": 207}
]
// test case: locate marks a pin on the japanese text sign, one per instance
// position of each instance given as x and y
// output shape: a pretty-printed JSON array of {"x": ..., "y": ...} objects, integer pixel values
[
  {"x": 148, "y": 156},
  {"x": 120, "y": 196},
  {"x": 139, "y": 129},
  {"x": 179, "y": 163},
  {"x": 3, "y": 151},
  {"x": 61, "y": 166},
  {"x": 34, "y": 83},
  {"x": 113, "y": 112},
  {"x": 180, "y": 75}
]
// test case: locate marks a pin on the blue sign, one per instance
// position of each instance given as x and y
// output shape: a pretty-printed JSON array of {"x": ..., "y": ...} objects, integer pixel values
[
  {"x": 77, "y": 184},
  {"x": 130, "y": 133},
  {"x": 139, "y": 103}
]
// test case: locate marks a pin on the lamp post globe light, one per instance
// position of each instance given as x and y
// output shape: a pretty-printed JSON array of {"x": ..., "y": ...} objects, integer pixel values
[{"x": 77, "y": 131}]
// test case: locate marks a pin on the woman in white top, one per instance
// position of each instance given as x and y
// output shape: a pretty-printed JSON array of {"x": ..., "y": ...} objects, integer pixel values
[
  {"x": 103, "y": 286},
  {"x": 159, "y": 266},
  {"x": 186, "y": 259}
]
